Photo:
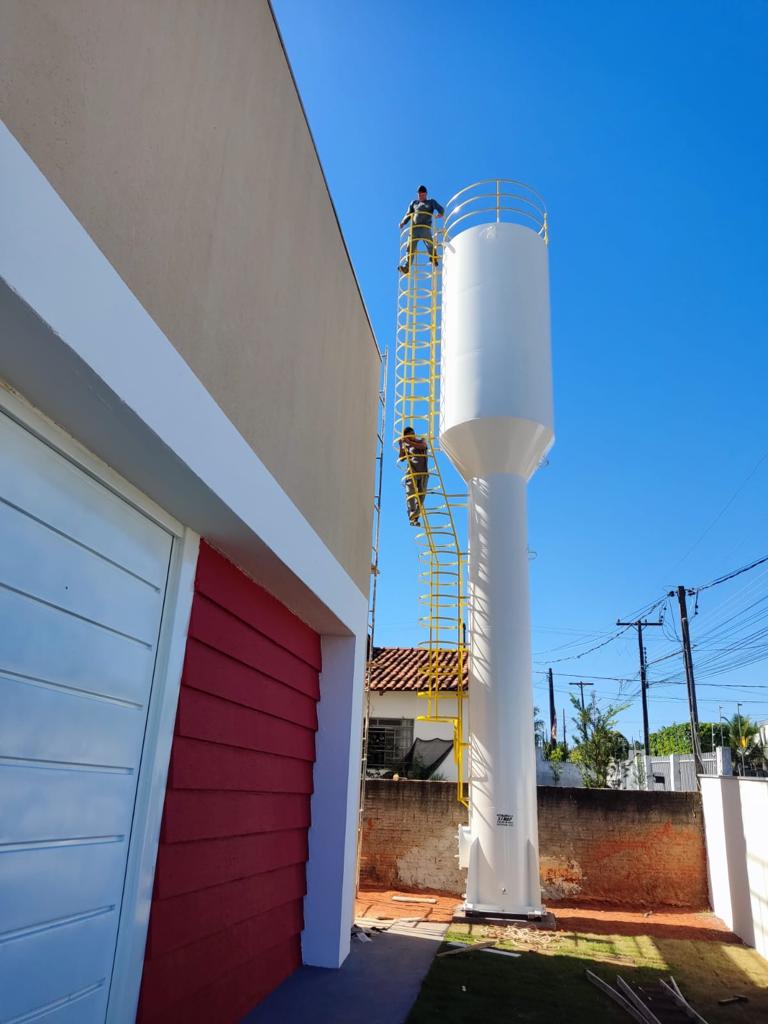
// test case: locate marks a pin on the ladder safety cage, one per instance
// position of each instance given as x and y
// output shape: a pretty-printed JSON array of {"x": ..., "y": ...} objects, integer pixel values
[{"x": 442, "y": 562}]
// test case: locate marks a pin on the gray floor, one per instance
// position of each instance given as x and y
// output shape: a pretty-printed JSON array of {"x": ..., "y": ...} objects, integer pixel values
[{"x": 377, "y": 984}]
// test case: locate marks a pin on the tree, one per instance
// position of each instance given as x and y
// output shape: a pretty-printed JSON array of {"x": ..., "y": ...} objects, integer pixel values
[
  {"x": 599, "y": 743},
  {"x": 556, "y": 754},
  {"x": 676, "y": 738},
  {"x": 556, "y": 751},
  {"x": 745, "y": 742}
]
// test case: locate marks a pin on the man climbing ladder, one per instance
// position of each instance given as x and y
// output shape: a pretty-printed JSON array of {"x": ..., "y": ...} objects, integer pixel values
[
  {"x": 414, "y": 449},
  {"x": 420, "y": 214}
]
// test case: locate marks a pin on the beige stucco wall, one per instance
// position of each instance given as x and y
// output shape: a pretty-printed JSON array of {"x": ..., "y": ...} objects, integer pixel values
[{"x": 173, "y": 131}]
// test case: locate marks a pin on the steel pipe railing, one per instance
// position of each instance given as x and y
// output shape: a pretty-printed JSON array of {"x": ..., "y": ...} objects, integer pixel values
[{"x": 495, "y": 200}]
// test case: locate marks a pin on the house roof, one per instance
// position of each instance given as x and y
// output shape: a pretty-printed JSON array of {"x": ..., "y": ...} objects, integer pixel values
[{"x": 404, "y": 669}]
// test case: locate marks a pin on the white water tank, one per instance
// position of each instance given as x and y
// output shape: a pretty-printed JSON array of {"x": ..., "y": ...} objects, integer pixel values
[
  {"x": 496, "y": 410},
  {"x": 496, "y": 426}
]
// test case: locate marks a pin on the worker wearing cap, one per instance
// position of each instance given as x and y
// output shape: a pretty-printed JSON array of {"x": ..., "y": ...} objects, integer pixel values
[
  {"x": 420, "y": 214},
  {"x": 413, "y": 450}
]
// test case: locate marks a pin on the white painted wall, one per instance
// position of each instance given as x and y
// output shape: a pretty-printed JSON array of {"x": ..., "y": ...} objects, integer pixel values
[
  {"x": 565, "y": 774},
  {"x": 736, "y": 825},
  {"x": 398, "y": 704},
  {"x": 330, "y": 901}
]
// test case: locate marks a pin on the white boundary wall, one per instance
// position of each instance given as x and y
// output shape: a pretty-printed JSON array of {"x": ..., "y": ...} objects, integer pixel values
[
  {"x": 563, "y": 774},
  {"x": 674, "y": 773},
  {"x": 736, "y": 826}
]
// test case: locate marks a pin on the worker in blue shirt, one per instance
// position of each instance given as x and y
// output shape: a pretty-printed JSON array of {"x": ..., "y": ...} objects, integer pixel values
[{"x": 420, "y": 214}]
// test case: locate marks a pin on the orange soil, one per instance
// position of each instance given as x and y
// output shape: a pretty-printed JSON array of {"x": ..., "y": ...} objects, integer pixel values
[
  {"x": 595, "y": 919},
  {"x": 378, "y": 903},
  {"x": 666, "y": 923}
]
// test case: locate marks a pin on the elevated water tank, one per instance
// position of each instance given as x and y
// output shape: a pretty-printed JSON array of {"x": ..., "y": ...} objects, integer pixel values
[{"x": 496, "y": 426}]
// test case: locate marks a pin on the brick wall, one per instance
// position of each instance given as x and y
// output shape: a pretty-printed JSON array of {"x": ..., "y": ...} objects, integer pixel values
[
  {"x": 409, "y": 836},
  {"x": 230, "y": 880},
  {"x": 638, "y": 849}
]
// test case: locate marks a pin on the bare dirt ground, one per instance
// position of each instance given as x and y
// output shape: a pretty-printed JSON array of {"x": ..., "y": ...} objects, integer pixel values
[
  {"x": 595, "y": 919},
  {"x": 372, "y": 903},
  {"x": 666, "y": 923}
]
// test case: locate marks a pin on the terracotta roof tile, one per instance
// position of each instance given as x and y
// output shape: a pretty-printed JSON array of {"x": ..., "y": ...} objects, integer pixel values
[{"x": 403, "y": 668}]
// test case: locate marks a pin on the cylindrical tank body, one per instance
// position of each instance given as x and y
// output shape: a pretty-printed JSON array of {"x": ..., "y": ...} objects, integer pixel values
[
  {"x": 496, "y": 367},
  {"x": 496, "y": 425}
]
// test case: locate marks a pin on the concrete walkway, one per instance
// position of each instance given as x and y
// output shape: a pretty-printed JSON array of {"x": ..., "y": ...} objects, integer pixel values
[{"x": 377, "y": 984}]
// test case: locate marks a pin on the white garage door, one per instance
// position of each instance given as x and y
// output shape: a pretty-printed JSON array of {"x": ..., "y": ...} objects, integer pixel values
[{"x": 82, "y": 583}]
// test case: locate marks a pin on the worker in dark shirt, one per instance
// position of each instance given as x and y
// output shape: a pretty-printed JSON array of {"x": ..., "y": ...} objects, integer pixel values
[
  {"x": 413, "y": 449},
  {"x": 420, "y": 214}
]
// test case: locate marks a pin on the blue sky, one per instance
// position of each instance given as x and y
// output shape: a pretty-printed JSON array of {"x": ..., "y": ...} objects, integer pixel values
[{"x": 643, "y": 125}]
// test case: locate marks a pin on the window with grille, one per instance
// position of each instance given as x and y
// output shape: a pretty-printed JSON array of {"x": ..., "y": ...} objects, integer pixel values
[{"x": 389, "y": 740}]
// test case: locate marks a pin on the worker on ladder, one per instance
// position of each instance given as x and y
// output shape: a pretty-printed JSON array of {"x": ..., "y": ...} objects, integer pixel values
[
  {"x": 420, "y": 214},
  {"x": 413, "y": 449}
]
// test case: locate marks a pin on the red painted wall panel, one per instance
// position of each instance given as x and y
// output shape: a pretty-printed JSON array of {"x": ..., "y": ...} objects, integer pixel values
[
  {"x": 218, "y": 674},
  {"x": 230, "y": 879},
  {"x": 190, "y": 815},
  {"x": 231, "y": 589},
  {"x": 199, "y": 765},
  {"x": 231, "y": 996},
  {"x": 205, "y": 961},
  {"x": 221, "y": 630},
  {"x": 183, "y": 919},
  {"x": 209, "y": 718}
]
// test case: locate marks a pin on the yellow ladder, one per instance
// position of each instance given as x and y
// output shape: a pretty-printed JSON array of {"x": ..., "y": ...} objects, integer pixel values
[{"x": 442, "y": 561}]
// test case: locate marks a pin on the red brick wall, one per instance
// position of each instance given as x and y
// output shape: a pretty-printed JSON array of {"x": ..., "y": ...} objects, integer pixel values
[
  {"x": 639, "y": 849},
  {"x": 227, "y": 908},
  {"x": 409, "y": 836}
]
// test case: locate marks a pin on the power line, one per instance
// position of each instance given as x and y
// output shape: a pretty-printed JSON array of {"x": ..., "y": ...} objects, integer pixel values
[
  {"x": 735, "y": 641},
  {"x": 590, "y": 675},
  {"x": 719, "y": 686},
  {"x": 588, "y": 638},
  {"x": 725, "y": 507},
  {"x": 575, "y": 657},
  {"x": 730, "y": 575}
]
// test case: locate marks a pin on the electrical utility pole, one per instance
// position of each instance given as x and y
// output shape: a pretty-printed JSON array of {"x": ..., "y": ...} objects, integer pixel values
[
  {"x": 581, "y": 688},
  {"x": 689, "y": 678},
  {"x": 552, "y": 712},
  {"x": 643, "y": 678}
]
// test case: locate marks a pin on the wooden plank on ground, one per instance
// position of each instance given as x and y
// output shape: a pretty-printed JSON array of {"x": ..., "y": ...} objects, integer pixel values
[
  {"x": 615, "y": 996},
  {"x": 631, "y": 996}
]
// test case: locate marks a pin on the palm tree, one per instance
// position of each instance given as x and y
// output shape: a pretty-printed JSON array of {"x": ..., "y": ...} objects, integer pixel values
[
  {"x": 539, "y": 736},
  {"x": 745, "y": 740}
]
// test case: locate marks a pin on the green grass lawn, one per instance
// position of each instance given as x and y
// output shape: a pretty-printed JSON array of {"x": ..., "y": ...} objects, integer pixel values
[{"x": 549, "y": 984}]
